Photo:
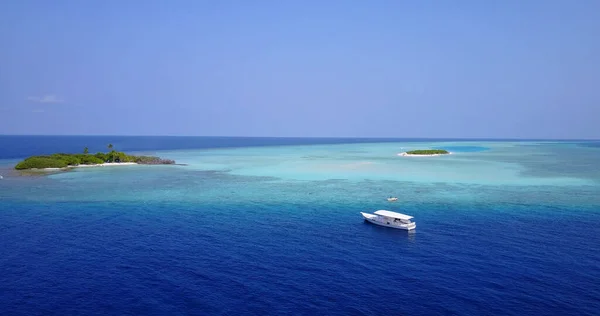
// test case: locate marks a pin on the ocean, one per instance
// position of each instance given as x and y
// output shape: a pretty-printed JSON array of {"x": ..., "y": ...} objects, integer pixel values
[{"x": 271, "y": 226}]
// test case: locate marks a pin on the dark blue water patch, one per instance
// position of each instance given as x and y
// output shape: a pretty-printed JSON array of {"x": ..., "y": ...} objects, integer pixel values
[
  {"x": 178, "y": 259},
  {"x": 12, "y": 146},
  {"x": 464, "y": 149},
  {"x": 23, "y": 146},
  {"x": 563, "y": 144},
  {"x": 590, "y": 144}
]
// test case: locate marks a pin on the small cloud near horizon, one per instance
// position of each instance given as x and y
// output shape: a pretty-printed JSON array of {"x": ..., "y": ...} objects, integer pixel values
[{"x": 49, "y": 98}]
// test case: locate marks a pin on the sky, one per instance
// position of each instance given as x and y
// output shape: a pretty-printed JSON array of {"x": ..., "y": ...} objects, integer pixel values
[{"x": 467, "y": 69}]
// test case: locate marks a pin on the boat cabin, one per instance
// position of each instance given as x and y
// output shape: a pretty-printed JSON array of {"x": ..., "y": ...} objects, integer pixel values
[{"x": 395, "y": 218}]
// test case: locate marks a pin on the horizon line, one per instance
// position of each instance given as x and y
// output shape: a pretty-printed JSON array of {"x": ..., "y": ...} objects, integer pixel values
[{"x": 308, "y": 137}]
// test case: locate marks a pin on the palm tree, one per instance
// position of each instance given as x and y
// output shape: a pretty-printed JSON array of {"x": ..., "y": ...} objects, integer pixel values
[
  {"x": 86, "y": 151},
  {"x": 112, "y": 153}
]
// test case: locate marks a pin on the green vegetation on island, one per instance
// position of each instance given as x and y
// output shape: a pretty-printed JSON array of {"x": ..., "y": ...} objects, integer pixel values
[
  {"x": 62, "y": 160},
  {"x": 427, "y": 152}
]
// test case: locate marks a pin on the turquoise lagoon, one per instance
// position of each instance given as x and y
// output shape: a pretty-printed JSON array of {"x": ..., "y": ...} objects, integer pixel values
[{"x": 536, "y": 173}]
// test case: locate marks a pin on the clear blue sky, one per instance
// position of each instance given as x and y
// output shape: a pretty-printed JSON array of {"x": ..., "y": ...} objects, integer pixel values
[{"x": 514, "y": 68}]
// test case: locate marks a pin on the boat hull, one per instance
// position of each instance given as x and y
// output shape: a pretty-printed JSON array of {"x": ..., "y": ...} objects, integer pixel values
[{"x": 374, "y": 219}]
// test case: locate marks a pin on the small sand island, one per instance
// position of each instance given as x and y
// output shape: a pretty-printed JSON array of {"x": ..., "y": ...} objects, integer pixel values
[
  {"x": 62, "y": 161},
  {"x": 425, "y": 152}
]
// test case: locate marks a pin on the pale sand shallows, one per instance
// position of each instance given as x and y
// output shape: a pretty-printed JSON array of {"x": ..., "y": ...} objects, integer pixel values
[
  {"x": 106, "y": 164},
  {"x": 407, "y": 155}
]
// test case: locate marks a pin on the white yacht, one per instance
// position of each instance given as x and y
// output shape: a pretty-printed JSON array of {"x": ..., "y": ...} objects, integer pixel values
[
  {"x": 392, "y": 199},
  {"x": 390, "y": 219}
]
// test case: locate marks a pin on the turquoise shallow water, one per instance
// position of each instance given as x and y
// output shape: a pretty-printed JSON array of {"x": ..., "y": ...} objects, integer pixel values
[{"x": 502, "y": 228}]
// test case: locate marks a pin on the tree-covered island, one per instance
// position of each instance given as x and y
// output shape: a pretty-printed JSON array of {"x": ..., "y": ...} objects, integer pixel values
[
  {"x": 427, "y": 152},
  {"x": 62, "y": 160}
]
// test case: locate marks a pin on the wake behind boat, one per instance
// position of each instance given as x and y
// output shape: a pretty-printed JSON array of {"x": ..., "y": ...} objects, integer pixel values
[{"x": 390, "y": 219}]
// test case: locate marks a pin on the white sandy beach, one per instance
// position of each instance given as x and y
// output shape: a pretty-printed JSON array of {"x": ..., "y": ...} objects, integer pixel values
[{"x": 106, "y": 164}]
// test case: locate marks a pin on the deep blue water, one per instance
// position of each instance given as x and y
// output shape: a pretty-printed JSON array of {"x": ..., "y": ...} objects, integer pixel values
[
  {"x": 12, "y": 147},
  {"x": 119, "y": 258},
  {"x": 23, "y": 146},
  {"x": 514, "y": 251}
]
